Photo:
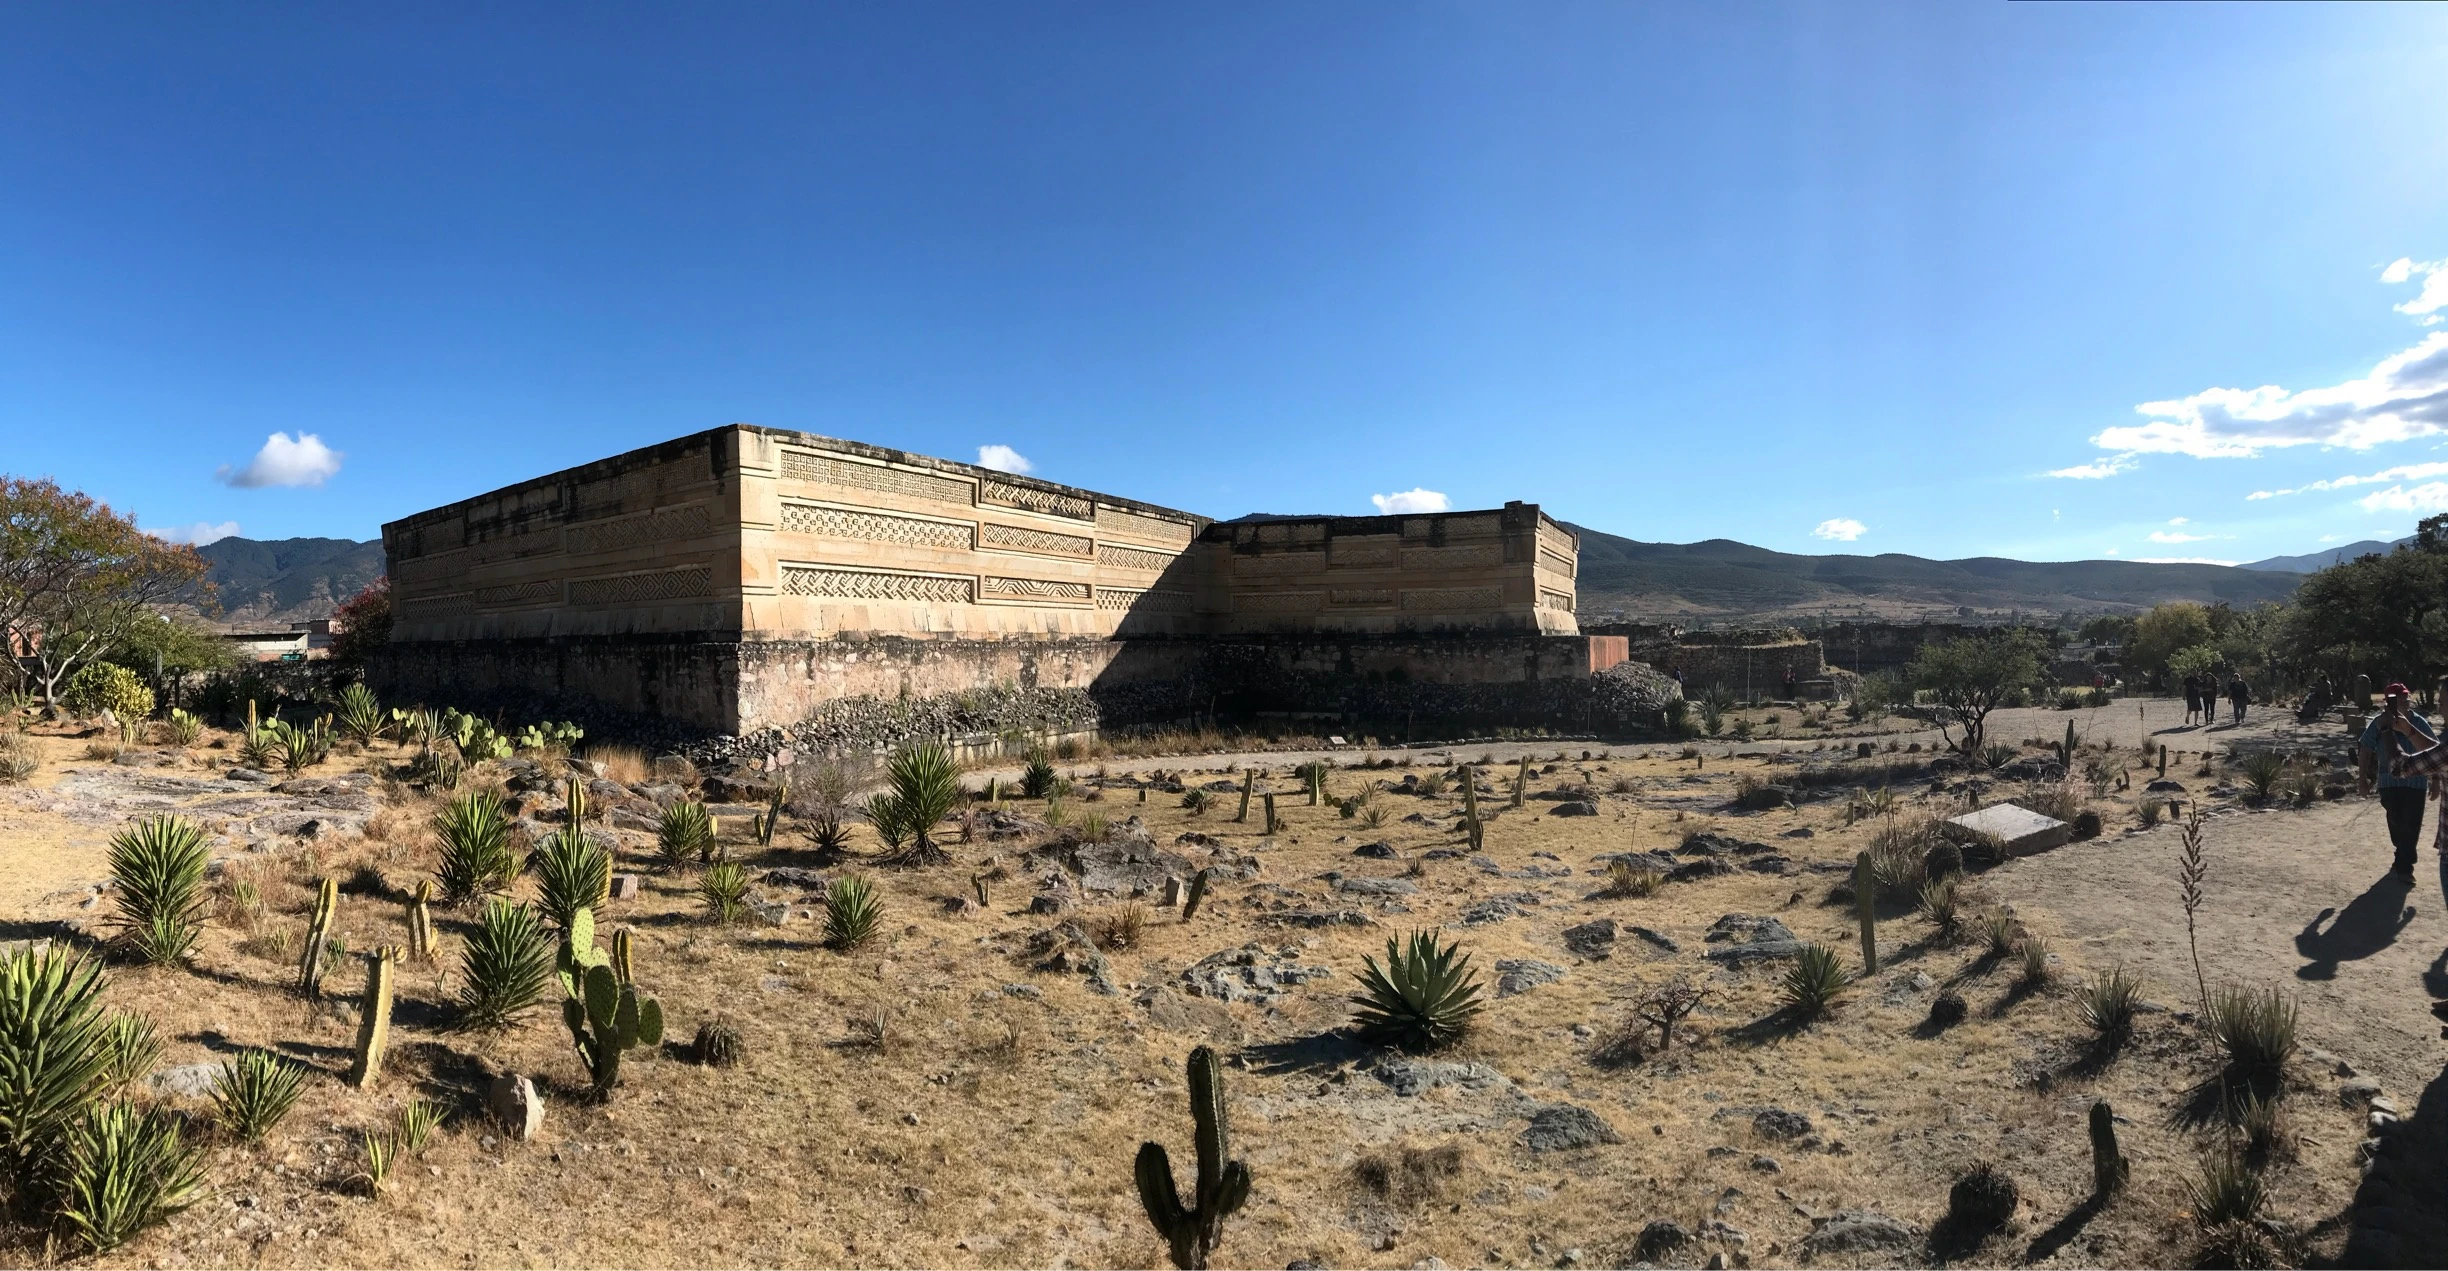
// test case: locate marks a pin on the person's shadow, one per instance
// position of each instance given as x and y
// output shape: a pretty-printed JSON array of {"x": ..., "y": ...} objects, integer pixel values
[{"x": 2369, "y": 923}]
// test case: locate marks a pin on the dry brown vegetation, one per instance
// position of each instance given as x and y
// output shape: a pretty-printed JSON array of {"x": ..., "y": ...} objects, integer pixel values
[{"x": 933, "y": 1099}]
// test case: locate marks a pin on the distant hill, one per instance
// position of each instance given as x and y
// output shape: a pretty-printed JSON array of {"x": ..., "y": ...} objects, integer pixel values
[
  {"x": 2323, "y": 559},
  {"x": 288, "y": 579},
  {"x": 1720, "y": 578}
]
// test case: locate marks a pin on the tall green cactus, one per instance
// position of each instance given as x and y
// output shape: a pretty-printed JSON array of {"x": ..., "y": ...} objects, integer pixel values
[
  {"x": 1272, "y": 824},
  {"x": 1249, "y": 784},
  {"x": 2108, "y": 1165},
  {"x": 1521, "y": 779},
  {"x": 1865, "y": 904},
  {"x": 1197, "y": 893},
  {"x": 1191, "y": 1231},
  {"x": 600, "y": 1004},
  {"x": 1470, "y": 809},
  {"x": 764, "y": 826},
  {"x": 318, "y": 931},
  {"x": 374, "y": 1017},
  {"x": 574, "y": 792}
]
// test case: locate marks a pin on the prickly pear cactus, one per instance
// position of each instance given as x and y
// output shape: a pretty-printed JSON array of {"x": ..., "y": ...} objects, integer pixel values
[{"x": 601, "y": 1007}]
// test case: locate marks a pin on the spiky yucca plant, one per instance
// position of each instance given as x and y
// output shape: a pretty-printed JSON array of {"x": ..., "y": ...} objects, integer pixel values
[
  {"x": 1037, "y": 780},
  {"x": 54, "y": 1055},
  {"x": 851, "y": 912},
  {"x": 126, "y": 1170},
  {"x": 157, "y": 866},
  {"x": 2256, "y": 1027},
  {"x": 1814, "y": 980},
  {"x": 925, "y": 783},
  {"x": 505, "y": 967},
  {"x": 132, "y": 1046},
  {"x": 573, "y": 872},
  {"x": 1423, "y": 997},
  {"x": 361, "y": 717},
  {"x": 255, "y": 1091},
  {"x": 725, "y": 891},
  {"x": 2107, "y": 1002},
  {"x": 476, "y": 856},
  {"x": 686, "y": 831}
]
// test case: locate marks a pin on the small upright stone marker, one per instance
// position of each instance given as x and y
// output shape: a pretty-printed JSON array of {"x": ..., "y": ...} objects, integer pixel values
[
  {"x": 627, "y": 886},
  {"x": 516, "y": 1105}
]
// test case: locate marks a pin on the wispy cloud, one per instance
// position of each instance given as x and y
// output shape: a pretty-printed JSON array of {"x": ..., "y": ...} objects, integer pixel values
[
  {"x": 2402, "y": 472},
  {"x": 198, "y": 534},
  {"x": 2433, "y": 297},
  {"x": 2098, "y": 468},
  {"x": 1412, "y": 500},
  {"x": 1843, "y": 529},
  {"x": 1004, "y": 459},
  {"x": 2430, "y": 496},
  {"x": 2169, "y": 536},
  {"x": 304, "y": 460}
]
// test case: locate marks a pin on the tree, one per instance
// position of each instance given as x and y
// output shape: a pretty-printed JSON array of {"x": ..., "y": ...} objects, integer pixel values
[
  {"x": 1975, "y": 675},
  {"x": 75, "y": 577},
  {"x": 2386, "y": 613},
  {"x": 2157, "y": 636},
  {"x": 361, "y": 625},
  {"x": 2112, "y": 629}
]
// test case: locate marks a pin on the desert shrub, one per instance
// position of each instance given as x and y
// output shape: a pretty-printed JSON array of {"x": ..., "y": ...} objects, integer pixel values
[
  {"x": 54, "y": 1056},
  {"x": 1940, "y": 903},
  {"x": 851, "y": 912},
  {"x": 256, "y": 1089},
  {"x": 2107, "y": 1002},
  {"x": 1810, "y": 986},
  {"x": 1943, "y": 860},
  {"x": 1196, "y": 800},
  {"x": 18, "y": 758},
  {"x": 181, "y": 728},
  {"x": 107, "y": 686},
  {"x": 476, "y": 856},
  {"x": 1094, "y": 828},
  {"x": 504, "y": 967},
  {"x": 724, "y": 888},
  {"x": 925, "y": 783},
  {"x": 157, "y": 867},
  {"x": 889, "y": 821},
  {"x": 717, "y": 1044},
  {"x": 1409, "y": 1176},
  {"x": 418, "y": 1119},
  {"x": 1982, "y": 1201},
  {"x": 362, "y": 718},
  {"x": 573, "y": 872},
  {"x": 126, "y": 1170},
  {"x": 1752, "y": 793},
  {"x": 2256, "y": 1027},
  {"x": 1899, "y": 857},
  {"x": 1425, "y": 995},
  {"x": 627, "y": 765},
  {"x": 1037, "y": 778},
  {"x": 1119, "y": 927},
  {"x": 1997, "y": 754},
  {"x": 2034, "y": 951},
  {"x": 2263, "y": 1122},
  {"x": 2228, "y": 1190},
  {"x": 1628, "y": 881},
  {"x": 2062, "y": 800},
  {"x": 301, "y": 746},
  {"x": 380, "y": 1152},
  {"x": 686, "y": 831},
  {"x": 2261, "y": 770},
  {"x": 2303, "y": 789},
  {"x": 2150, "y": 810}
]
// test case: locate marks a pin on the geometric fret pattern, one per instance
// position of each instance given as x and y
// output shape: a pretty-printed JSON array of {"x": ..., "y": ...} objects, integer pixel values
[
  {"x": 873, "y": 527},
  {"x": 1142, "y": 601},
  {"x": 1474, "y": 556},
  {"x": 806, "y": 465},
  {"x": 1556, "y": 561},
  {"x": 686, "y": 521},
  {"x": 1360, "y": 554},
  {"x": 1115, "y": 522},
  {"x": 1020, "y": 538},
  {"x": 1279, "y": 601},
  {"x": 1452, "y": 597},
  {"x": 1031, "y": 499},
  {"x": 1121, "y": 557},
  {"x": 661, "y": 584},
  {"x": 1363, "y": 595},
  {"x": 535, "y": 593},
  {"x": 1034, "y": 589},
  {"x": 1556, "y": 600},
  {"x": 864, "y": 584}
]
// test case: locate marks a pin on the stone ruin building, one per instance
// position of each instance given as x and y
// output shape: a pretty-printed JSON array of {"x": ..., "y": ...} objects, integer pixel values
[{"x": 749, "y": 578}]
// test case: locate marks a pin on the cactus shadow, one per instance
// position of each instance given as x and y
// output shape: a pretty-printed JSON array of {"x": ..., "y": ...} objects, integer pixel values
[
  {"x": 1318, "y": 1052},
  {"x": 2061, "y": 1233},
  {"x": 461, "y": 1079},
  {"x": 423, "y": 1014},
  {"x": 1773, "y": 1027},
  {"x": 51, "y": 929}
]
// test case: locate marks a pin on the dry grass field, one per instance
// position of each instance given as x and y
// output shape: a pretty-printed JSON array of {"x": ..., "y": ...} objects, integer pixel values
[{"x": 939, "y": 1098}]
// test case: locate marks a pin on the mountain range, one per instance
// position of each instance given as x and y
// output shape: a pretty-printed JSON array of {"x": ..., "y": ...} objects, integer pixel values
[
  {"x": 2324, "y": 559},
  {"x": 293, "y": 579}
]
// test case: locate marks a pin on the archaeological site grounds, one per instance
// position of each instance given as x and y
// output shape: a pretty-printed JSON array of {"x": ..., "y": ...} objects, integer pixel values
[{"x": 770, "y": 850}]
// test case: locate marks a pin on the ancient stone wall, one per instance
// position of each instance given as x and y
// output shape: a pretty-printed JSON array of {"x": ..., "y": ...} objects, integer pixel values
[{"x": 1509, "y": 569}]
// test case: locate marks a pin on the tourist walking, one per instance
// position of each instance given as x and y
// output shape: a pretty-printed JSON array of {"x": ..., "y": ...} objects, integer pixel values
[
  {"x": 2193, "y": 698},
  {"x": 2402, "y": 752},
  {"x": 2239, "y": 695}
]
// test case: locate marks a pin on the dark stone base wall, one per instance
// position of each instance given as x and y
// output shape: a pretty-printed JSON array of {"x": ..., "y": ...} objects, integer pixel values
[{"x": 875, "y": 692}]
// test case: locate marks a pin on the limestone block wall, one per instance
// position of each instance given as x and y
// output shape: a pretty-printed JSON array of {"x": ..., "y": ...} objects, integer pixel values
[{"x": 1509, "y": 569}]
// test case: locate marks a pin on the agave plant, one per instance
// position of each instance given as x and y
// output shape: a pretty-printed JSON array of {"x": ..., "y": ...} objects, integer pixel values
[
  {"x": 1423, "y": 997},
  {"x": 572, "y": 871},
  {"x": 255, "y": 1091},
  {"x": 54, "y": 1053},
  {"x": 1037, "y": 780},
  {"x": 687, "y": 831},
  {"x": 182, "y": 728},
  {"x": 2261, "y": 770},
  {"x": 505, "y": 967},
  {"x": 302, "y": 747},
  {"x": 476, "y": 857},
  {"x": 157, "y": 867},
  {"x": 361, "y": 717},
  {"x": 724, "y": 888},
  {"x": 925, "y": 784},
  {"x": 851, "y": 912},
  {"x": 1810, "y": 986},
  {"x": 891, "y": 824},
  {"x": 126, "y": 1170},
  {"x": 131, "y": 1046}
]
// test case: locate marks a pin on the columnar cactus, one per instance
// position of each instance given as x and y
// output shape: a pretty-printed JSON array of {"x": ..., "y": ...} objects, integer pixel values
[
  {"x": 1865, "y": 903},
  {"x": 574, "y": 793},
  {"x": 1521, "y": 780},
  {"x": 1272, "y": 825},
  {"x": 1196, "y": 893},
  {"x": 1191, "y": 1231},
  {"x": 318, "y": 931},
  {"x": 2108, "y": 1166},
  {"x": 374, "y": 1016},
  {"x": 600, "y": 1006},
  {"x": 764, "y": 825},
  {"x": 2065, "y": 752},
  {"x": 1249, "y": 784},
  {"x": 1470, "y": 809},
  {"x": 420, "y": 922}
]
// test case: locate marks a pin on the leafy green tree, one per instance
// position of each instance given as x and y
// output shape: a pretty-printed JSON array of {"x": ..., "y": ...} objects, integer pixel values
[
  {"x": 1974, "y": 675},
  {"x": 2385, "y": 613},
  {"x": 2160, "y": 634},
  {"x": 75, "y": 577}
]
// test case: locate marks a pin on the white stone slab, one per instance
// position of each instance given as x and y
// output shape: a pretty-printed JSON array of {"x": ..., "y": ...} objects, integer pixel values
[{"x": 2022, "y": 830}]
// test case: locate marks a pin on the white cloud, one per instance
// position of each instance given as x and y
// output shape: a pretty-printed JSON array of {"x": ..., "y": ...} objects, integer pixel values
[
  {"x": 2331, "y": 538},
  {"x": 1840, "y": 530},
  {"x": 2430, "y": 496},
  {"x": 2098, "y": 468},
  {"x": 198, "y": 534},
  {"x": 2405, "y": 396},
  {"x": 2176, "y": 520},
  {"x": 2433, "y": 297},
  {"x": 282, "y": 461},
  {"x": 2402, "y": 472},
  {"x": 1004, "y": 459},
  {"x": 2180, "y": 560},
  {"x": 2164, "y": 536},
  {"x": 1412, "y": 500},
  {"x": 2112, "y": 551}
]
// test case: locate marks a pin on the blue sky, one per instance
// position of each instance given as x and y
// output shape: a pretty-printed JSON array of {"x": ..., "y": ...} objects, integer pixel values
[{"x": 1785, "y": 274}]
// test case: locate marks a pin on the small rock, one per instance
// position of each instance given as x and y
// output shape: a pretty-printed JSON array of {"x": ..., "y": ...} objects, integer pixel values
[
  {"x": 1660, "y": 1238},
  {"x": 1777, "y": 1123},
  {"x": 1593, "y": 940},
  {"x": 515, "y": 1104},
  {"x": 627, "y": 886},
  {"x": 2382, "y": 1103},
  {"x": 2359, "y": 1090},
  {"x": 1766, "y": 1165},
  {"x": 190, "y": 1080},
  {"x": 1564, "y": 1126},
  {"x": 1376, "y": 851},
  {"x": 1363, "y": 886},
  {"x": 1520, "y": 975},
  {"x": 772, "y": 914},
  {"x": 1859, "y": 1231},
  {"x": 1661, "y": 941},
  {"x": 1574, "y": 809}
]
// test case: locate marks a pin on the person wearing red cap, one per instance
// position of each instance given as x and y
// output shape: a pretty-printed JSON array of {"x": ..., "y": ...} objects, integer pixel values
[{"x": 2404, "y": 753}]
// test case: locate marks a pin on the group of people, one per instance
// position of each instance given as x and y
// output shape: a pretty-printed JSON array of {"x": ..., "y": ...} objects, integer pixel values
[
  {"x": 2401, "y": 754},
  {"x": 2202, "y": 692}
]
